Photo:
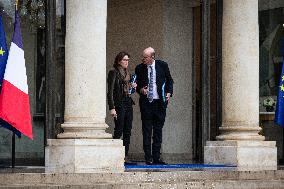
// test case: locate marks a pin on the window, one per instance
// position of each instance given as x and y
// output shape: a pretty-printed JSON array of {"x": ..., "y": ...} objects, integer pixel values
[{"x": 271, "y": 33}]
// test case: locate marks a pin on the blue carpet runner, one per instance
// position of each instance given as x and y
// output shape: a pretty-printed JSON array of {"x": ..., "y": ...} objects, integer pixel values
[{"x": 176, "y": 166}]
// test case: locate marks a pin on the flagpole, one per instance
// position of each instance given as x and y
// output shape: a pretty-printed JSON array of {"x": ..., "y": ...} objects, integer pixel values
[
  {"x": 13, "y": 136},
  {"x": 17, "y": 4},
  {"x": 281, "y": 161},
  {"x": 13, "y": 150}
]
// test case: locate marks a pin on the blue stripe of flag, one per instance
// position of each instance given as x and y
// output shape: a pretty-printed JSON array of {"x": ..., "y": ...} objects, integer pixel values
[{"x": 17, "y": 36}]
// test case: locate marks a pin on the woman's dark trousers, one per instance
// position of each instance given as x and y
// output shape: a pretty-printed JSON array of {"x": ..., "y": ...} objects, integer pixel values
[{"x": 123, "y": 122}]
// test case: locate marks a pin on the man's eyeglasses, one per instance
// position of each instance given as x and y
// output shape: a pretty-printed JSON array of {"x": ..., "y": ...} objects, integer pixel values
[{"x": 145, "y": 57}]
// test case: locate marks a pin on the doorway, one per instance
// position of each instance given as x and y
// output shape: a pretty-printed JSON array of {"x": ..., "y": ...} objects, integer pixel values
[
  {"x": 207, "y": 80},
  {"x": 173, "y": 29}
]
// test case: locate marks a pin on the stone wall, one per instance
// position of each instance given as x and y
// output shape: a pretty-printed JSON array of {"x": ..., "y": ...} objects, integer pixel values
[{"x": 177, "y": 50}]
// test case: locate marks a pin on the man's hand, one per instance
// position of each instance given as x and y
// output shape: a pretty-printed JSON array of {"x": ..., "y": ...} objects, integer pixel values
[
  {"x": 168, "y": 95},
  {"x": 144, "y": 90},
  {"x": 113, "y": 113}
]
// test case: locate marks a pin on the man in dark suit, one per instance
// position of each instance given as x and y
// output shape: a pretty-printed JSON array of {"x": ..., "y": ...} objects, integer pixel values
[{"x": 155, "y": 87}]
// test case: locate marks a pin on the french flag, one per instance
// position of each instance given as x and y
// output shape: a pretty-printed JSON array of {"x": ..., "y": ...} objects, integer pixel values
[{"x": 14, "y": 98}]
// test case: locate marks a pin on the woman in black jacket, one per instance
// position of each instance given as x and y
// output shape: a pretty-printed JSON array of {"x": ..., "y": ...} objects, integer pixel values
[{"x": 119, "y": 100}]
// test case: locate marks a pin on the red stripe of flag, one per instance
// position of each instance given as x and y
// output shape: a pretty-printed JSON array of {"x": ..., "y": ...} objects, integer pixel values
[{"x": 15, "y": 108}]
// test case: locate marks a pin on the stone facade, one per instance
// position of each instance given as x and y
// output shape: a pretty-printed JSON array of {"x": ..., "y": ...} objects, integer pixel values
[{"x": 132, "y": 26}]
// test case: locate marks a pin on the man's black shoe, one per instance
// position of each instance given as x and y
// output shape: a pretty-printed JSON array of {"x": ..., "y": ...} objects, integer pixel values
[
  {"x": 158, "y": 162},
  {"x": 148, "y": 162}
]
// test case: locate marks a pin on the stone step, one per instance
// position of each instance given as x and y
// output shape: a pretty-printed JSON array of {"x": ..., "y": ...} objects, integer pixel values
[
  {"x": 206, "y": 179},
  {"x": 224, "y": 184}
]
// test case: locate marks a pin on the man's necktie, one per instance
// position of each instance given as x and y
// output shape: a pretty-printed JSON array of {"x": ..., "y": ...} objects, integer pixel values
[{"x": 151, "y": 85}]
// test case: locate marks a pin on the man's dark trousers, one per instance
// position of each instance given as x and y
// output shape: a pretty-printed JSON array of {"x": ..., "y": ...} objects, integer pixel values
[
  {"x": 153, "y": 117},
  {"x": 153, "y": 114}
]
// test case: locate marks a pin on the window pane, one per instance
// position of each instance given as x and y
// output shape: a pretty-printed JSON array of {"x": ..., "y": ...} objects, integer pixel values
[{"x": 271, "y": 31}]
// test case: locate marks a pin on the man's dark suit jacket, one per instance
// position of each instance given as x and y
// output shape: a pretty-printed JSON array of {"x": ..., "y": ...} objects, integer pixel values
[{"x": 164, "y": 81}]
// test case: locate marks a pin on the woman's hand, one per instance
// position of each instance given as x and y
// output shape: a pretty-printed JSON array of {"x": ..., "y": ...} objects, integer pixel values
[{"x": 113, "y": 113}]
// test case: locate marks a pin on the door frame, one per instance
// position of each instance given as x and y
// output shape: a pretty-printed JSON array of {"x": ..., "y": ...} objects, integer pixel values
[{"x": 206, "y": 115}]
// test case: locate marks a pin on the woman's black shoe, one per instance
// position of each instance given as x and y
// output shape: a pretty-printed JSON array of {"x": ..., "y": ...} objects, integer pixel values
[
  {"x": 130, "y": 163},
  {"x": 127, "y": 161}
]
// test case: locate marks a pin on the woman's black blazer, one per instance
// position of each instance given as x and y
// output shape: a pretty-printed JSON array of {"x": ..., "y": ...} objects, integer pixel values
[{"x": 115, "y": 89}]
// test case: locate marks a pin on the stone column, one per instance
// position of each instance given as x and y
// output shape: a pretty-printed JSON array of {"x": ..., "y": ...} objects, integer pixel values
[
  {"x": 84, "y": 146},
  {"x": 239, "y": 142}
]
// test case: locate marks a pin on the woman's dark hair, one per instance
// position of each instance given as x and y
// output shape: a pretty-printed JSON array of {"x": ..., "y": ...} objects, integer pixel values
[{"x": 119, "y": 57}]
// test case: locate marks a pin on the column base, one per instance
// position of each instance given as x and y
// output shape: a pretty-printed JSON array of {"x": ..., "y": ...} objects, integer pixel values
[
  {"x": 246, "y": 155},
  {"x": 84, "y": 155},
  {"x": 84, "y": 130}
]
